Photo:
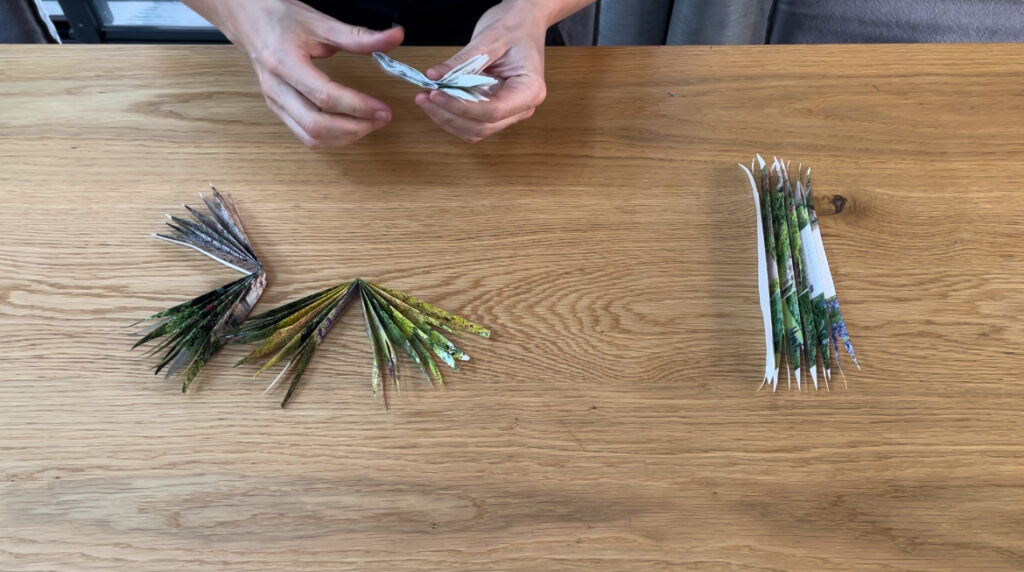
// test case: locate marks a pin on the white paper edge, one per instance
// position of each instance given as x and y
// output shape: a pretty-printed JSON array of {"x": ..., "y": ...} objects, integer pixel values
[
  {"x": 469, "y": 67},
  {"x": 277, "y": 380},
  {"x": 762, "y": 282},
  {"x": 183, "y": 243},
  {"x": 463, "y": 95},
  {"x": 828, "y": 287},
  {"x": 775, "y": 375},
  {"x": 470, "y": 81}
]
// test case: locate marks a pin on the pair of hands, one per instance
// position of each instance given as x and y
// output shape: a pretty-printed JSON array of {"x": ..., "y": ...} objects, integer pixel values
[{"x": 282, "y": 37}]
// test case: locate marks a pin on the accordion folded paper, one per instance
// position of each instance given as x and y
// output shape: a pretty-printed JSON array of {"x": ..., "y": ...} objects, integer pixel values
[
  {"x": 191, "y": 333},
  {"x": 798, "y": 298},
  {"x": 393, "y": 319},
  {"x": 463, "y": 82}
]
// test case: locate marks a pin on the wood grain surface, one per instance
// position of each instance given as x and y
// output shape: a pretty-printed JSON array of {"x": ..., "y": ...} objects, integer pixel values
[{"x": 611, "y": 423}]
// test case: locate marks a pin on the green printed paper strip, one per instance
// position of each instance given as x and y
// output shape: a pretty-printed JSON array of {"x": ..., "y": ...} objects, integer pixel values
[
  {"x": 836, "y": 323},
  {"x": 791, "y": 323},
  {"x": 195, "y": 330},
  {"x": 802, "y": 280},
  {"x": 805, "y": 210},
  {"x": 774, "y": 294}
]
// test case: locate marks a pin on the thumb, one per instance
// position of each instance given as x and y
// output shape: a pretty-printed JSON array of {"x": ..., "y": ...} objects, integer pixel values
[
  {"x": 481, "y": 45},
  {"x": 359, "y": 40}
]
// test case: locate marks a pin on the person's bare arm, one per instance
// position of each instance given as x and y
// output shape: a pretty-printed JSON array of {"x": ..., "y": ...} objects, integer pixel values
[
  {"x": 282, "y": 37},
  {"x": 512, "y": 34}
]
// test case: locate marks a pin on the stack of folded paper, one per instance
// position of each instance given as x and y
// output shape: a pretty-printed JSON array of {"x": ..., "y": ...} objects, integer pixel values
[{"x": 798, "y": 297}]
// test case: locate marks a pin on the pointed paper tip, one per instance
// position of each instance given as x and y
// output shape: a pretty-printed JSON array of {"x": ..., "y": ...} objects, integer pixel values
[
  {"x": 760, "y": 160},
  {"x": 136, "y": 323},
  {"x": 277, "y": 379},
  {"x": 797, "y": 374},
  {"x": 814, "y": 378}
]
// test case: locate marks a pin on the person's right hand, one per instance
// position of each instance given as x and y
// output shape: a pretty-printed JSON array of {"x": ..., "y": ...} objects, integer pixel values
[{"x": 282, "y": 37}]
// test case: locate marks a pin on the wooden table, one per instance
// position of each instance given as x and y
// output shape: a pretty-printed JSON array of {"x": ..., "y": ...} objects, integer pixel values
[{"x": 612, "y": 422}]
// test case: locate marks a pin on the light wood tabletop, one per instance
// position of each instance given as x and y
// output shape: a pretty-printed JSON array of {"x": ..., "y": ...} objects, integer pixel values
[{"x": 612, "y": 422}]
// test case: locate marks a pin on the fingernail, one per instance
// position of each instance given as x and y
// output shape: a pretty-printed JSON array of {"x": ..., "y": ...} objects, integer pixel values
[{"x": 382, "y": 116}]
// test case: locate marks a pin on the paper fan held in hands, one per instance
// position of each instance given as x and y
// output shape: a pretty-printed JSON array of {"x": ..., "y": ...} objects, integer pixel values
[
  {"x": 798, "y": 298},
  {"x": 392, "y": 319},
  {"x": 193, "y": 331},
  {"x": 464, "y": 81}
]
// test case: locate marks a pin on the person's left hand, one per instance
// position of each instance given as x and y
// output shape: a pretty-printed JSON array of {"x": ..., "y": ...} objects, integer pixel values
[{"x": 512, "y": 34}]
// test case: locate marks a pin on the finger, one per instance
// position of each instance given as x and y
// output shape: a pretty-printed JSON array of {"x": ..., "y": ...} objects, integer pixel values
[
  {"x": 317, "y": 87},
  {"x": 289, "y": 121},
  {"x": 357, "y": 39},
  {"x": 469, "y": 130},
  {"x": 517, "y": 95},
  {"x": 323, "y": 129}
]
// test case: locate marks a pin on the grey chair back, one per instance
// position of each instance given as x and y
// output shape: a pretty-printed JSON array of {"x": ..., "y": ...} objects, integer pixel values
[
  {"x": 653, "y": 22},
  {"x": 896, "y": 21},
  {"x": 21, "y": 22}
]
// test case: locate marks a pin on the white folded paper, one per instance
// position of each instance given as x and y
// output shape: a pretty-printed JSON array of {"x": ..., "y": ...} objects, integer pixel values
[{"x": 464, "y": 81}]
